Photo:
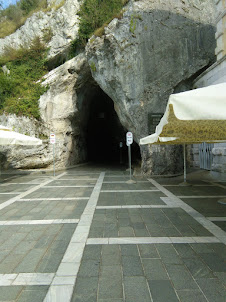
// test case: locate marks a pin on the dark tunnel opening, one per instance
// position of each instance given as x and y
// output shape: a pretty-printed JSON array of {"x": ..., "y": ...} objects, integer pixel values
[{"x": 105, "y": 135}]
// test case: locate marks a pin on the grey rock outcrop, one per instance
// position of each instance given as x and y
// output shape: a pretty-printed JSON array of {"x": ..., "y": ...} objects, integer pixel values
[
  {"x": 154, "y": 50},
  {"x": 61, "y": 25}
]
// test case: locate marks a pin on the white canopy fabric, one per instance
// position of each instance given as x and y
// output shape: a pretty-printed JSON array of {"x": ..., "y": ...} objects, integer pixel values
[
  {"x": 193, "y": 116},
  {"x": 8, "y": 137}
]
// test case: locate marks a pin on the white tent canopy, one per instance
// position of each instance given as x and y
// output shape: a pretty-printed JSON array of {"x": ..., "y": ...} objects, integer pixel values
[
  {"x": 192, "y": 117},
  {"x": 8, "y": 137}
]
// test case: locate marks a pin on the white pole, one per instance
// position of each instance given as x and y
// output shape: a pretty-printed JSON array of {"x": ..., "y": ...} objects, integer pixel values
[
  {"x": 184, "y": 163},
  {"x": 54, "y": 160},
  {"x": 130, "y": 172}
]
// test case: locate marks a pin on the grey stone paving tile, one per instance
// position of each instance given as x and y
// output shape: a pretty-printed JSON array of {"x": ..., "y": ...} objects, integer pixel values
[
  {"x": 136, "y": 289},
  {"x": 221, "y": 224},
  {"x": 221, "y": 276},
  {"x": 148, "y": 251},
  {"x": 214, "y": 261},
  {"x": 132, "y": 198},
  {"x": 191, "y": 295},
  {"x": 7, "y": 267},
  {"x": 202, "y": 248},
  {"x": 209, "y": 207},
  {"x": 92, "y": 252},
  {"x": 110, "y": 288},
  {"x": 168, "y": 254},
  {"x": 30, "y": 261},
  {"x": 196, "y": 191},
  {"x": 213, "y": 289},
  {"x": 110, "y": 282},
  {"x": 125, "y": 186},
  {"x": 110, "y": 230},
  {"x": 89, "y": 268},
  {"x": 154, "y": 269},
  {"x": 197, "y": 268},
  {"x": 33, "y": 293},
  {"x": 180, "y": 277},
  {"x": 126, "y": 232},
  {"x": 132, "y": 266},
  {"x": 10, "y": 293},
  {"x": 185, "y": 250},
  {"x": 129, "y": 250},
  {"x": 4, "y": 198},
  {"x": 162, "y": 291},
  {"x": 110, "y": 255},
  {"x": 141, "y": 232},
  {"x": 49, "y": 262},
  {"x": 85, "y": 286}
]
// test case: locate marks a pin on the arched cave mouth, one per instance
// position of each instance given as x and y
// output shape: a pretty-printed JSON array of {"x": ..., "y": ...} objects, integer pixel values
[{"x": 103, "y": 131}]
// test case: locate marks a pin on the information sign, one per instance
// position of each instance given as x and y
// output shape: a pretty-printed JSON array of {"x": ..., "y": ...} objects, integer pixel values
[
  {"x": 52, "y": 138},
  {"x": 129, "y": 138}
]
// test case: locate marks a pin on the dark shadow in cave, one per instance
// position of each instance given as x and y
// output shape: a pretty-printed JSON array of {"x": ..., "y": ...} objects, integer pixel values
[{"x": 104, "y": 132}]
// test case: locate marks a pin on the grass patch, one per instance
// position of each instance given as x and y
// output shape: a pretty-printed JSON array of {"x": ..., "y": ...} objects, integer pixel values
[
  {"x": 95, "y": 15},
  {"x": 20, "y": 89},
  {"x": 16, "y": 15}
]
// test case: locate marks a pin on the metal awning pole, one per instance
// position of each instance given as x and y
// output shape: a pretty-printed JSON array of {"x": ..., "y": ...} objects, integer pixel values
[{"x": 184, "y": 163}]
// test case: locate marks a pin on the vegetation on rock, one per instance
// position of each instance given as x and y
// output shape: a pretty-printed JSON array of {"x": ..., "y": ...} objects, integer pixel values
[
  {"x": 94, "y": 16},
  {"x": 20, "y": 88},
  {"x": 15, "y": 15}
]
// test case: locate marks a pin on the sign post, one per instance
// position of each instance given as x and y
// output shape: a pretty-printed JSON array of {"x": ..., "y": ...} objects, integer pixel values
[
  {"x": 129, "y": 141},
  {"x": 53, "y": 141},
  {"x": 120, "y": 151}
]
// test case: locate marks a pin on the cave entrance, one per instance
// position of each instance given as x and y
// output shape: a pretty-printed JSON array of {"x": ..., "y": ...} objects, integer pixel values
[
  {"x": 101, "y": 130},
  {"x": 104, "y": 130}
]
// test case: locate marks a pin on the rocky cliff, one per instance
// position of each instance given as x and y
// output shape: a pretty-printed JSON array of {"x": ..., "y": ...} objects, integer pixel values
[
  {"x": 59, "y": 24},
  {"x": 158, "y": 47}
]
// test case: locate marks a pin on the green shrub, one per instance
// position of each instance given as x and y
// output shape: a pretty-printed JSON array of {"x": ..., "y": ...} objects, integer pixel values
[
  {"x": 15, "y": 15},
  {"x": 20, "y": 90},
  {"x": 94, "y": 16}
]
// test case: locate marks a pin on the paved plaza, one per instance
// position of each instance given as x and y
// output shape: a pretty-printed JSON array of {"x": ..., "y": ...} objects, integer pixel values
[{"x": 86, "y": 235}]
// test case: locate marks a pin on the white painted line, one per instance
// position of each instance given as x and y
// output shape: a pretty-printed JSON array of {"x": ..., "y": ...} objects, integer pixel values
[
  {"x": 33, "y": 279},
  {"x": 72, "y": 258},
  {"x": 19, "y": 183},
  {"x": 59, "y": 293},
  {"x": 54, "y": 199},
  {"x": 136, "y": 207},
  {"x": 151, "y": 240},
  {"x": 77, "y": 179},
  {"x": 29, "y": 222},
  {"x": 11, "y": 193},
  {"x": 127, "y": 191},
  {"x": 26, "y": 279},
  {"x": 22, "y": 195},
  {"x": 210, "y": 226},
  {"x": 124, "y": 182},
  {"x": 7, "y": 279},
  {"x": 202, "y": 196},
  {"x": 216, "y": 218},
  {"x": 204, "y": 185},
  {"x": 97, "y": 241},
  {"x": 88, "y": 186}
]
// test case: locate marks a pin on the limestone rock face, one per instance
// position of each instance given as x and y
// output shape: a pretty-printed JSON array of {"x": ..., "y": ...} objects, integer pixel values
[
  {"x": 25, "y": 156},
  {"x": 60, "y": 24},
  {"x": 59, "y": 109},
  {"x": 154, "y": 50},
  {"x": 158, "y": 47}
]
